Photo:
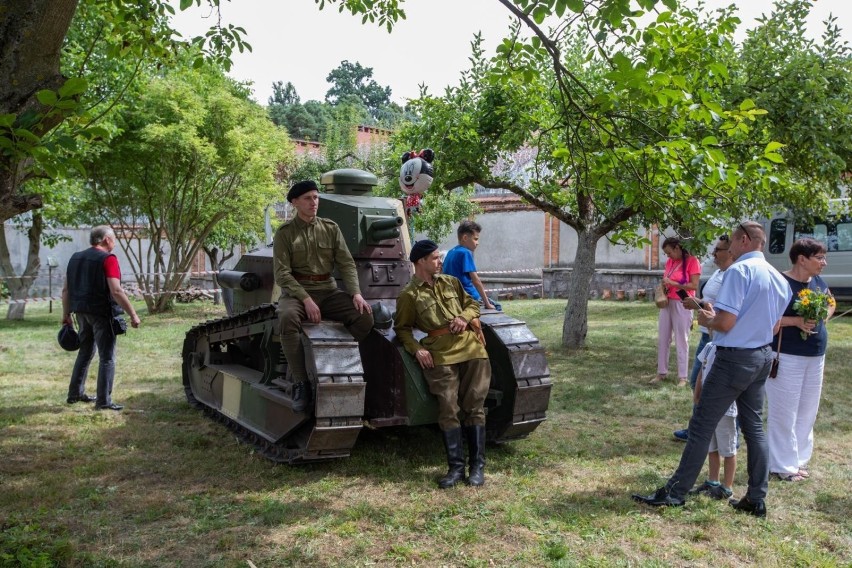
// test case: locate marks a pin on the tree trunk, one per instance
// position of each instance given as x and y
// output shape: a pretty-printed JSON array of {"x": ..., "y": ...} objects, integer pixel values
[
  {"x": 20, "y": 284},
  {"x": 576, "y": 323},
  {"x": 31, "y": 36}
]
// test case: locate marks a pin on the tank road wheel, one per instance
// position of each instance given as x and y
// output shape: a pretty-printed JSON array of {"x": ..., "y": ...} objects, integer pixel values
[
  {"x": 520, "y": 378},
  {"x": 233, "y": 367}
]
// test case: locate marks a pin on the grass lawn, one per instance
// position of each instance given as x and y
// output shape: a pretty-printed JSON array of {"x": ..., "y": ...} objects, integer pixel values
[{"x": 161, "y": 485}]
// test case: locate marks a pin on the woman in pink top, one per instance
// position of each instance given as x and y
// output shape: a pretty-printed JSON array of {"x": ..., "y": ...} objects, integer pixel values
[{"x": 682, "y": 273}]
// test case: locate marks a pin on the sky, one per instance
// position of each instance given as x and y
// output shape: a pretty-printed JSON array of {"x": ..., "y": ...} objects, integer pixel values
[{"x": 292, "y": 40}]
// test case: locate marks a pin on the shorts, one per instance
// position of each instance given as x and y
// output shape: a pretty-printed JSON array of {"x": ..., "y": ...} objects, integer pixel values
[{"x": 724, "y": 439}]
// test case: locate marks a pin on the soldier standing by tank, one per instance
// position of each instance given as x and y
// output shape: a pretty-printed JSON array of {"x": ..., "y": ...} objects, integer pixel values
[
  {"x": 305, "y": 251},
  {"x": 93, "y": 291},
  {"x": 453, "y": 357}
]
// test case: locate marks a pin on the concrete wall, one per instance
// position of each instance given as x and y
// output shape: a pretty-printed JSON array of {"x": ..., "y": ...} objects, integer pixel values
[
  {"x": 510, "y": 240},
  {"x": 513, "y": 240},
  {"x": 79, "y": 240},
  {"x": 607, "y": 255}
]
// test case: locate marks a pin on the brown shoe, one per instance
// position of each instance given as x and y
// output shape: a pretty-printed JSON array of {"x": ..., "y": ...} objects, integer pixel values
[{"x": 657, "y": 379}]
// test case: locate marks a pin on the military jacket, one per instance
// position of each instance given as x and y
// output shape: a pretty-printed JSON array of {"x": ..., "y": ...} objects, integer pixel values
[
  {"x": 313, "y": 248},
  {"x": 433, "y": 307}
]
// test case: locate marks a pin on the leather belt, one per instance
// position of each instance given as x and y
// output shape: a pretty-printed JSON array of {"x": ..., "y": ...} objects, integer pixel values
[
  {"x": 473, "y": 325},
  {"x": 311, "y": 277},
  {"x": 439, "y": 332},
  {"x": 723, "y": 348}
]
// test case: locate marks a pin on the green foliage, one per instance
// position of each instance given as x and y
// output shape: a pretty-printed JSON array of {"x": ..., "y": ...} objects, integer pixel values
[
  {"x": 194, "y": 155},
  {"x": 132, "y": 32},
  {"x": 352, "y": 88},
  {"x": 284, "y": 95},
  {"x": 28, "y": 545},
  {"x": 806, "y": 90},
  {"x": 353, "y": 82},
  {"x": 611, "y": 122}
]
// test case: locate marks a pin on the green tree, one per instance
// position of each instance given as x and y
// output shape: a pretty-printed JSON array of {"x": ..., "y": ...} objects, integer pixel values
[
  {"x": 284, "y": 94},
  {"x": 623, "y": 123},
  {"x": 354, "y": 84},
  {"x": 806, "y": 88},
  {"x": 194, "y": 154},
  {"x": 41, "y": 228},
  {"x": 88, "y": 50},
  {"x": 35, "y": 97}
]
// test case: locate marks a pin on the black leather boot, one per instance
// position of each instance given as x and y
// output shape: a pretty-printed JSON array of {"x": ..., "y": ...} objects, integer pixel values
[
  {"x": 476, "y": 452},
  {"x": 455, "y": 458}
]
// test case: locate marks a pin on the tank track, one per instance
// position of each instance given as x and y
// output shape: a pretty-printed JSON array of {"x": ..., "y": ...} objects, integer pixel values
[
  {"x": 233, "y": 369},
  {"x": 517, "y": 360}
]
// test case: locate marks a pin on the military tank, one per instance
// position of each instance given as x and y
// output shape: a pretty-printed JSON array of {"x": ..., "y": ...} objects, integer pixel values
[{"x": 235, "y": 370}]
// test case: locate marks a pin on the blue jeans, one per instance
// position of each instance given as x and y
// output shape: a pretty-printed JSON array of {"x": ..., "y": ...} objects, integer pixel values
[
  {"x": 738, "y": 375},
  {"x": 95, "y": 331},
  {"x": 696, "y": 366}
]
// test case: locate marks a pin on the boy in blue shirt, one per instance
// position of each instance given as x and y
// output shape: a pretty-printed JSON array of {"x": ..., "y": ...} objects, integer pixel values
[{"x": 459, "y": 263}]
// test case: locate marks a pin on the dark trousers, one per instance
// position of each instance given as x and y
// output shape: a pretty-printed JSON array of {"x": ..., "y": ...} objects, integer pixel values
[
  {"x": 95, "y": 331},
  {"x": 736, "y": 376}
]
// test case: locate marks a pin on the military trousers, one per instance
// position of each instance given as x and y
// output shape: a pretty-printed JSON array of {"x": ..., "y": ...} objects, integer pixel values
[
  {"x": 460, "y": 388},
  {"x": 335, "y": 305}
]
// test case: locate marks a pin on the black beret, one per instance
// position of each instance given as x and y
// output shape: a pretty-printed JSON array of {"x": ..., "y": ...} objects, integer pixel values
[
  {"x": 421, "y": 249},
  {"x": 68, "y": 338},
  {"x": 301, "y": 188}
]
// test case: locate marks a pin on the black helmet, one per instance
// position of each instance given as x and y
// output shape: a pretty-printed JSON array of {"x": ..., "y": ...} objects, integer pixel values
[
  {"x": 68, "y": 338},
  {"x": 382, "y": 317}
]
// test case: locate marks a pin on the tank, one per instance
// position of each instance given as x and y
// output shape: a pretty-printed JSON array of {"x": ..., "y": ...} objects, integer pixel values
[{"x": 234, "y": 368}]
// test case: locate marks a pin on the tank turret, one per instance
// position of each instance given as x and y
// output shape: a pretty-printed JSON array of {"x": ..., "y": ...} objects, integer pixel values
[{"x": 234, "y": 368}]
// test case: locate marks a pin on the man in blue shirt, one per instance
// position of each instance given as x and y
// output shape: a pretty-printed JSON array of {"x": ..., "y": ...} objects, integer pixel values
[
  {"x": 459, "y": 262},
  {"x": 748, "y": 309}
]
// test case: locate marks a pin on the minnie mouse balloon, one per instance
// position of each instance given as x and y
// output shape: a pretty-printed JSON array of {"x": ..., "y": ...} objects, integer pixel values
[{"x": 417, "y": 172}]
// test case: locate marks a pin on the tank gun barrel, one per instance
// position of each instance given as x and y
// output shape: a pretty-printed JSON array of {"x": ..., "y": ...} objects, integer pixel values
[
  {"x": 384, "y": 228},
  {"x": 234, "y": 279}
]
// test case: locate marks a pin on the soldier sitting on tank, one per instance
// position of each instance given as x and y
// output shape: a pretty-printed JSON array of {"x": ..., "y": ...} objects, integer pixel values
[
  {"x": 305, "y": 251},
  {"x": 452, "y": 356}
]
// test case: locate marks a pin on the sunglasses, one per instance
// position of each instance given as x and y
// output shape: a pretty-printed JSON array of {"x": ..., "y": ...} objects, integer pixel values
[{"x": 744, "y": 230}]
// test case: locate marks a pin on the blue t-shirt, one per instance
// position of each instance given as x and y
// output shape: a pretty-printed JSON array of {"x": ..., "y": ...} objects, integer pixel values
[
  {"x": 459, "y": 263},
  {"x": 791, "y": 340},
  {"x": 756, "y": 294}
]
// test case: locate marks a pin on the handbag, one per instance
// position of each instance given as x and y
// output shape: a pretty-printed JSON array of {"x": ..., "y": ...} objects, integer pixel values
[
  {"x": 661, "y": 295},
  {"x": 661, "y": 298},
  {"x": 119, "y": 325},
  {"x": 773, "y": 369}
]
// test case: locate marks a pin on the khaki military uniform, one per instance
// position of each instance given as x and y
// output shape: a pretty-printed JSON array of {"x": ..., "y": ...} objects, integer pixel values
[
  {"x": 304, "y": 256},
  {"x": 462, "y": 373}
]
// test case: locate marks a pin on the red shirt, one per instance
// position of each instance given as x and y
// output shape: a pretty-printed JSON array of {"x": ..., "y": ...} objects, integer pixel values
[{"x": 111, "y": 269}]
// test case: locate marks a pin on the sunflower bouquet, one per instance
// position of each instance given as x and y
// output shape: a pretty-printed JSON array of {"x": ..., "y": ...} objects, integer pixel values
[{"x": 813, "y": 305}]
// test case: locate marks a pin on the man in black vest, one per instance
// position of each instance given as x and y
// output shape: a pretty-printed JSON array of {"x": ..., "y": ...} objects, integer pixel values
[{"x": 93, "y": 291}]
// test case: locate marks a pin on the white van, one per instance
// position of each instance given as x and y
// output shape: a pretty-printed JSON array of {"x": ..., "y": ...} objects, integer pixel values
[
  {"x": 836, "y": 232},
  {"x": 783, "y": 230}
]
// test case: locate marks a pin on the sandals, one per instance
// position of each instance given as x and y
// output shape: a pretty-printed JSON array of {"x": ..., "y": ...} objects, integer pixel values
[
  {"x": 657, "y": 379},
  {"x": 682, "y": 383},
  {"x": 789, "y": 476},
  {"x": 804, "y": 473}
]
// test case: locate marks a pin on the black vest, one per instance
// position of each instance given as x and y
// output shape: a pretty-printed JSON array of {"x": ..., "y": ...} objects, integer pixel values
[{"x": 87, "y": 283}]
